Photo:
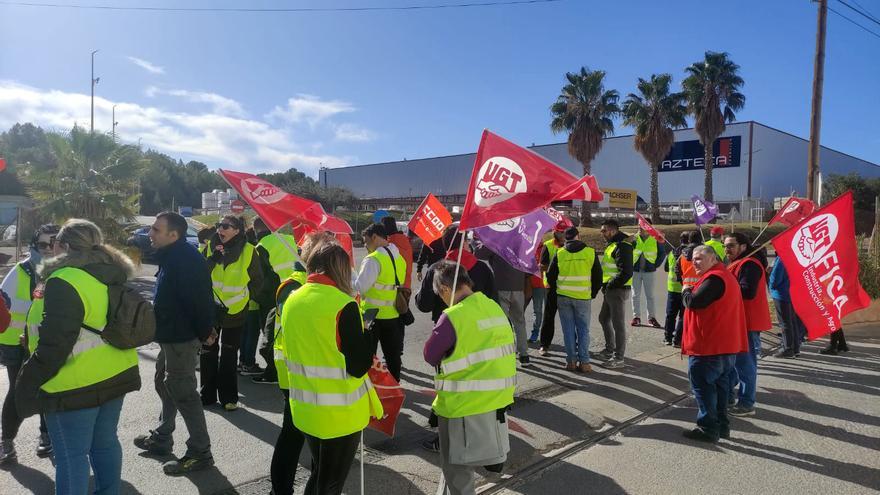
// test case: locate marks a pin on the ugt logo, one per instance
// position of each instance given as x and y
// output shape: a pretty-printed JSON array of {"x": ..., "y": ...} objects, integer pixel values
[
  {"x": 500, "y": 179},
  {"x": 814, "y": 239},
  {"x": 260, "y": 191}
]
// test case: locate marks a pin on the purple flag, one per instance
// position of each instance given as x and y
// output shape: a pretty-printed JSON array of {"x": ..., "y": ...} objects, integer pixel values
[
  {"x": 704, "y": 211},
  {"x": 516, "y": 239}
]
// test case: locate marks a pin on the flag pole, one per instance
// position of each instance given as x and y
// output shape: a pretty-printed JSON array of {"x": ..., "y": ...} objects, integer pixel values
[
  {"x": 458, "y": 262},
  {"x": 701, "y": 233},
  {"x": 761, "y": 232}
]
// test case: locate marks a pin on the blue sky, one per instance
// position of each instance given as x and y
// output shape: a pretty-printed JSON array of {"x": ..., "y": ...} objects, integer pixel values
[{"x": 265, "y": 92}]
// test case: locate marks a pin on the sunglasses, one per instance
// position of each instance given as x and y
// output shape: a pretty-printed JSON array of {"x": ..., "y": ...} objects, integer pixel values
[
  {"x": 225, "y": 226},
  {"x": 46, "y": 245}
]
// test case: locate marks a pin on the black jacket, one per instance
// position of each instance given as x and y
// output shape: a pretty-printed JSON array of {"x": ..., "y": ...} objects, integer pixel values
[
  {"x": 430, "y": 254},
  {"x": 623, "y": 257},
  {"x": 233, "y": 250},
  {"x": 182, "y": 299},
  {"x": 481, "y": 275},
  {"x": 63, "y": 315},
  {"x": 576, "y": 246}
]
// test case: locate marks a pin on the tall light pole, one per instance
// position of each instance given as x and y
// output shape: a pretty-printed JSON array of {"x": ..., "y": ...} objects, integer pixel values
[
  {"x": 816, "y": 115},
  {"x": 94, "y": 82},
  {"x": 113, "y": 132}
]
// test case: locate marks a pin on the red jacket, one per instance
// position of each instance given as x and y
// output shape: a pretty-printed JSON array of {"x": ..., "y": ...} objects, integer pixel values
[
  {"x": 719, "y": 328},
  {"x": 757, "y": 308}
]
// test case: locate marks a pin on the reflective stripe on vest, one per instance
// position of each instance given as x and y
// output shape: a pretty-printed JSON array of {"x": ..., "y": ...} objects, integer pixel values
[
  {"x": 383, "y": 292},
  {"x": 325, "y": 401},
  {"x": 672, "y": 283},
  {"x": 91, "y": 360},
  {"x": 480, "y": 374},
  {"x": 609, "y": 265},
  {"x": 574, "y": 273},
  {"x": 688, "y": 272},
  {"x": 278, "y": 342},
  {"x": 230, "y": 282},
  {"x": 552, "y": 249},
  {"x": 19, "y": 282},
  {"x": 282, "y": 257},
  {"x": 646, "y": 247}
]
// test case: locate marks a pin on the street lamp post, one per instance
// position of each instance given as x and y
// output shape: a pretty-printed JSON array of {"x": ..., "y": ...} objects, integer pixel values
[
  {"x": 113, "y": 132},
  {"x": 94, "y": 82}
]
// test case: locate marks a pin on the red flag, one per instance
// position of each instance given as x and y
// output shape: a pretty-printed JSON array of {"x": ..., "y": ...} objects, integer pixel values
[
  {"x": 390, "y": 394},
  {"x": 278, "y": 208},
  {"x": 430, "y": 219},
  {"x": 794, "y": 210},
  {"x": 584, "y": 189},
  {"x": 509, "y": 181},
  {"x": 821, "y": 257},
  {"x": 560, "y": 217},
  {"x": 2, "y": 164},
  {"x": 647, "y": 227}
]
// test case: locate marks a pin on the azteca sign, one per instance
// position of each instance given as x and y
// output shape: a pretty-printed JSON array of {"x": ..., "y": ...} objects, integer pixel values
[
  {"x": 689, "y": 155},
  {"x": 500, "y": 179}
]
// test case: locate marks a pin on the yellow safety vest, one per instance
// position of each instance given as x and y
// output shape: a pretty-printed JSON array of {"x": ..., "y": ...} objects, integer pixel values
[
  {"x": 718, "y": 247},
  {"x": 574, "y": 273},
  {"x": 552, "y": 249},
  {"x": 325, "y": 401},
  {"x": 92, "y": 360},
  {"x": 231, "y": 282},
  {"x": 281, "y": 257},
  {"x": 383, "y": 292},
  {"x": 480, "y": 374},
  {"x": 278, "y": 342},
  {"x": 609, "y": 265},
  {"x": 647, "y": 247},
  {"x": 21, "y": 302},
  {"x": 672, "y": 283}
]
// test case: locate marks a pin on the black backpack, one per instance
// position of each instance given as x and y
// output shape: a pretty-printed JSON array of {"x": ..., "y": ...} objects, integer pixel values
[{"x": 131, "y": 322}]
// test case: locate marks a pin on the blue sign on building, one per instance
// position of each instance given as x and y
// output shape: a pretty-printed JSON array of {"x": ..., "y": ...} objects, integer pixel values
[{"x": 689, "y": 155}]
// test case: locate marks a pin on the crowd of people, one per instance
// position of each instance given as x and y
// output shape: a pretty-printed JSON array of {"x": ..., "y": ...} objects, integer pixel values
[{"x": 322, "y": 323}]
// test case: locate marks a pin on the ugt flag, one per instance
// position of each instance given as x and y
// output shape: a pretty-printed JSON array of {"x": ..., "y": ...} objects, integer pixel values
[
  {"x": 704, "y": 211},
  {"x": 821, "y": 257},
  {"x": 647, "y": 227},
  {"x": 517, "y": 239},
  {"x": 793, "y": 211},
  {"x": 584, "y": 189},
  {"x": 510, "y": 181},
  {"x": 430, "y": 219}
]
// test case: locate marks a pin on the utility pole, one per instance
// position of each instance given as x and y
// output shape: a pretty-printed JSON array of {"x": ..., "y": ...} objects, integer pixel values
[
  {"x": 94, "y": 82},
  {"x": 816, "y": 115},
  {"x": 113, "y": 132}
]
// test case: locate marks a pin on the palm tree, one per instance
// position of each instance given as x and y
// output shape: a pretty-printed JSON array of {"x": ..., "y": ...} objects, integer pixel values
[
  {"x": 713, "y": 83},
  {"x": 654, "y": 114},
  {"x": 92, "y": 179},
  {"x": 586, "y": 111}
]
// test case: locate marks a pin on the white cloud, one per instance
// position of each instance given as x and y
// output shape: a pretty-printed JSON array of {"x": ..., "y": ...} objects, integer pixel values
[
  {"x": 310, "y": 109},
  {"x": 146, "y": 65},
  {"x": 218, "y": 139},
  {"x": 354, "y": 133},
  {"x": 220, "y": 104}
]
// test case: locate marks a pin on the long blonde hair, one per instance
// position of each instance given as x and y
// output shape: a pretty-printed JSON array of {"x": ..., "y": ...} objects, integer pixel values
[
  {"x": 323, "y": 254},
  {"x": 85, "y": 246}
]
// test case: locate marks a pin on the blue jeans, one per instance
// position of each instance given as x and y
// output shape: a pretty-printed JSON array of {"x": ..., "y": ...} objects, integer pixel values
[
  {"x": 247, "y": 353},
  {"x": 710, "y": 381},
  {"x": 791, "y": 339},
  {"x": 575, "y": 317},
  {"x": 82, "y": 437},
  {"x": 538, "y": 296},
  {"x": 746, "y": 371}
]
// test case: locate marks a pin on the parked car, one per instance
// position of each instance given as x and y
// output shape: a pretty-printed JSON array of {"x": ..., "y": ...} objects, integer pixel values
[{"x": 140, "y": 239}]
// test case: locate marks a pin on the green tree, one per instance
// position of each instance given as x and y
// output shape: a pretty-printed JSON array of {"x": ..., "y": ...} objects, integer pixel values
[
  {"x": 654, "y": 113},
  {"x": 586, "y": 111},
  {"x": 93, "y": 178},
  {"x": 712, "y": 88},
  {"x": 21, "y": 146}
]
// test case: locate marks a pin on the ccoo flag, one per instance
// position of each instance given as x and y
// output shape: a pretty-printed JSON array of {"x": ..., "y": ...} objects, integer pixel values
[
  {"x": 430, "y": 219},
  {"x": 509, "y": 181},
  {"x": 794, "y": 210},
  {"x": 821, "y": 256}
]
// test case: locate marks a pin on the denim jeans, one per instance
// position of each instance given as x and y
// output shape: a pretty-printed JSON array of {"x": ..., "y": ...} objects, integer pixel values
[
  {"x": 247, "y": 353},
  {"x": 643, "y": 280},
  {"x": 538, "y": 296},
  {"x": 710, "y": 382},
  {"x": 674, "y": 312},
  {"x": 791, "y": 339},
  {"x": 746, "y": 371},
  {"x": 83, "y": 437},
  {"x": 575, "y": 317}
]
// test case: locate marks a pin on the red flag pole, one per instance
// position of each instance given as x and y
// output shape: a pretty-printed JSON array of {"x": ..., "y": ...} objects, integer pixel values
[{"x": 458, "y": 262}]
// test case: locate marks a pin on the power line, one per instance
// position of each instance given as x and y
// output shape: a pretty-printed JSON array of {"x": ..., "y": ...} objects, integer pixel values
[
  {"x": 854, "y": 22},
  {"x": 279, "y": 9},
  {"x": 865, "y": 10},
  {"x": 857, "y": 11}
]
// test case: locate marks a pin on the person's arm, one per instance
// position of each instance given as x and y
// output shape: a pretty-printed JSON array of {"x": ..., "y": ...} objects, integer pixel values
[
  {"x": 624, "y": 265},
  {"x": 63, "y": 315},
  {"x": 441, "y": 342},
  {"x": 711, "y": 290},
  {"x": 367, "y": 276},
  {"x": 354, "y": 343},
  {"x": 197, "y": 293},
  {"x": 256, "y": 276},
  {"x": 661, "y": 255},
  {"x": 425, "y": 297},
  {"x": 553, "y": 272},
  {"x": 596, "y": 277},
  {"x": 749, "y": 279},
  {"x": 488, "y": 277},
  {"x": 266, "y": 295},
  {"x": 545, "y": 258}
]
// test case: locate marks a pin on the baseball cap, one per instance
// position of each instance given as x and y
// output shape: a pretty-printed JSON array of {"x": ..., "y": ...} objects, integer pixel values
[
  {"x": 560, "y": 227},
  {"x": 717, "y": 230}
]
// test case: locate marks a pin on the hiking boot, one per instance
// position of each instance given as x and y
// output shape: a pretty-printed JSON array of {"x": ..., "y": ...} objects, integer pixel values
[
  {"x": 741, "y": 411},
  {"x": 186, "y": 465},
  {"x": 149, "y": 444},
  {"x": 7, "y": 452},
  {"x": 264, "y": 380},
  {"x": 585, "y": 368},
  {"x": 653, "y": 322},
  {"x": 699, "y": 435},
  {"x": 785, "y": 354},
  {"x": 636, "y": 322},
  {"x": 432, "y": 445},
  {"x": 44, "y": 446},
  {"x": 230, "y": 407},
  {"x": 251, "y": 370}
]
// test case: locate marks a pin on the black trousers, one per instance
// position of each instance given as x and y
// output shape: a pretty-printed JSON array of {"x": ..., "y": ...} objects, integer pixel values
[
  {"x": 548, "y": 322},
  {"x": 389, "y": 333},
  {"x": 285, "y": 457},
  {"x": 217, "y": 363},
  {"x": 838, "y": 341},
  {"x": 331, "y": 460},
  {"x": 13, "y": 357}
]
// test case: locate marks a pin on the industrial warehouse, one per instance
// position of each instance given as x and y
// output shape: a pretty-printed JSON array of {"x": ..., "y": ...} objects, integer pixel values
[{"x": 754, "y": 165}]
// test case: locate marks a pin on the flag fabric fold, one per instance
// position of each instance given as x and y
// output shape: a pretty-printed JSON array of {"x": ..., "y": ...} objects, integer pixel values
[
  {"x": 517, "y": 239},
  {"x": 793, "y": 211},
  {"x": 430, "y": 219},
  {"x": 704, "y": 211},
  {"x": 584, "y": 189}
]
